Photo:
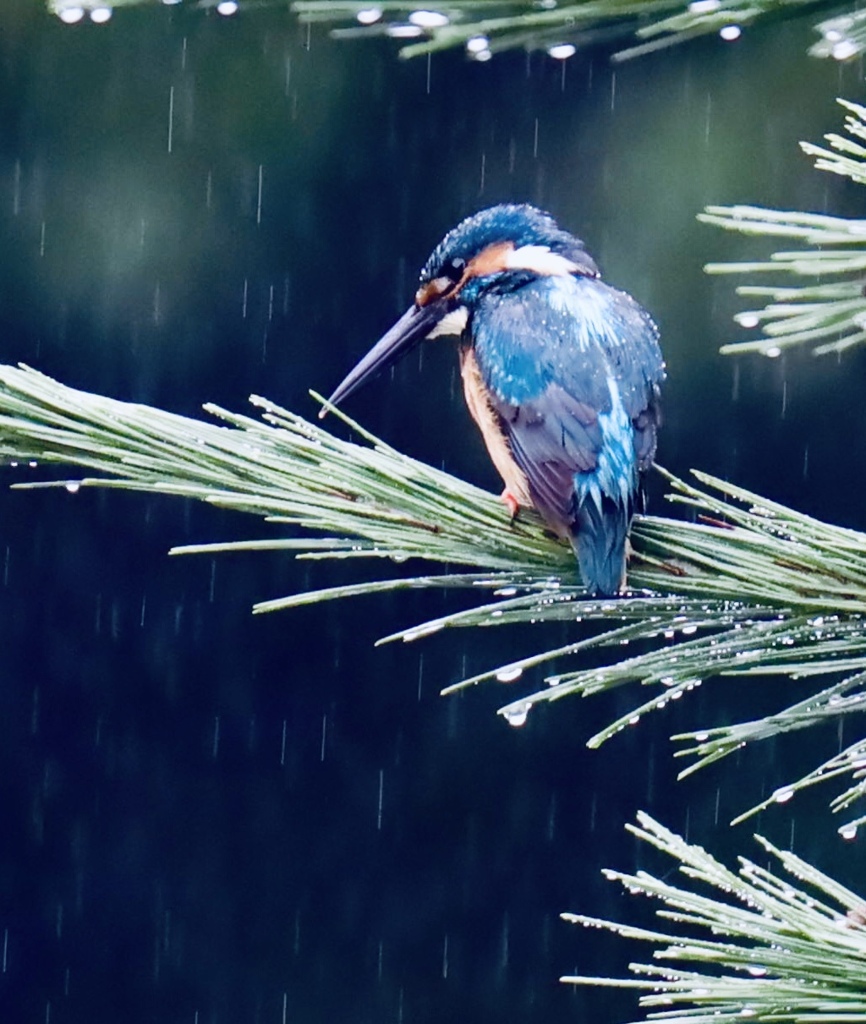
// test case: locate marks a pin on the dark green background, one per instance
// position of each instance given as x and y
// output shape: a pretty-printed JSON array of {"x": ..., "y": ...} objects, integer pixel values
[{"x": 176, "y": 841}]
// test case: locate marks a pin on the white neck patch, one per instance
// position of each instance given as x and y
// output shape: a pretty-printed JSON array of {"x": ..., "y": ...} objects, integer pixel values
[
  {"x": 540, "y": 260},
  {"x": 452, "y": 323}
]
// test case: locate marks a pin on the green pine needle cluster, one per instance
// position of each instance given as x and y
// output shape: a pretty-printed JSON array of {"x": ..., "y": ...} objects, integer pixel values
[
  {"x": 744, "y": 587},
  {"x": 829, "y": 312},
  {"x": 649, "y": 25},
  {"x": 771, "y": 947},
  {"x": 645, "y": 25}
]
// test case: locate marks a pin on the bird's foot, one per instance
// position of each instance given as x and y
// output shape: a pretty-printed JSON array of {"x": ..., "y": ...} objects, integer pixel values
[{"x": 511, "y": 503}]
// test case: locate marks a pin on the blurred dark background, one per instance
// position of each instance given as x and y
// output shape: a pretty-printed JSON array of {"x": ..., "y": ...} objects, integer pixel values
[{"x": 207, "y": 818}]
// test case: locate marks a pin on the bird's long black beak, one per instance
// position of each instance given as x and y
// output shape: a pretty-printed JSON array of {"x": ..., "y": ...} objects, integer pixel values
[{"x": 412, "y": 327}]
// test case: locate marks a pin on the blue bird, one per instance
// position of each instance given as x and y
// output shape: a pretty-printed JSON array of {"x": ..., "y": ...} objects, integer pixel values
[{"x": 561, "y": 373}]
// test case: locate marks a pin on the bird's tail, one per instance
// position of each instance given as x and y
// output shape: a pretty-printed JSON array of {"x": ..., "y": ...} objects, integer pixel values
[{"x": 599, "y": 539}]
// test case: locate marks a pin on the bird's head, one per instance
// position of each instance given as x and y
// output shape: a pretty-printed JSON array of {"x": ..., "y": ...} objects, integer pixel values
[{"x": 500, "y": 248}]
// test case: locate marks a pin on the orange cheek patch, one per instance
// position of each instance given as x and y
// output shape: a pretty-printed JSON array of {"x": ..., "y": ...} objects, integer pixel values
[{"x": 491, "y": 260}]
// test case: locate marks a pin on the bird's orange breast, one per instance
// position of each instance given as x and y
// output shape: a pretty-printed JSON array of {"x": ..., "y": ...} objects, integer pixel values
[{"x": 482, "y": 412}]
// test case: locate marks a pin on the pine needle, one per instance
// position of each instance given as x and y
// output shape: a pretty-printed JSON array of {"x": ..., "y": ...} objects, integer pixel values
[
  {"x": 830, "y": 312},
  {"x": 770, "y": 947}
]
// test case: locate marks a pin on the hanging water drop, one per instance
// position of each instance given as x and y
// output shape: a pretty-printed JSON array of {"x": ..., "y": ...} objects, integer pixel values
[
  {"x": 369, "y": 15},
  {"x": 516, "y": 715},
  {"x": 69, "y": 15},
  {"x": 429, "y": 19},
  {"x": 562, "y": 51},
  {"x": 845, "y": 49}
]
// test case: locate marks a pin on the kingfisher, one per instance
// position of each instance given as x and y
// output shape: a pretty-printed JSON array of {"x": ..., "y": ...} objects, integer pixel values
[{"x": 561, "y": 373}]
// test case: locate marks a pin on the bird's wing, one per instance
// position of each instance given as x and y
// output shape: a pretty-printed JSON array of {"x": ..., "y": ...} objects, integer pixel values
[{"x": 571, "y": 366}]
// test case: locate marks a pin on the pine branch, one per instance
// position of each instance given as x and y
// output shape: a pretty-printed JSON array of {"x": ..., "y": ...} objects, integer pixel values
[
  {"x": 485, "y": 27},
  {"x": 788, "y": 947},
  {"x": 749, "y": 587},
  {"x": 282, "y": 467},
  {"x": 832, "y": 312}
]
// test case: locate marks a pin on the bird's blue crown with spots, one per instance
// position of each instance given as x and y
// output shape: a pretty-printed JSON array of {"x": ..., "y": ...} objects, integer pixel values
[{"x": 518, "y": 223}]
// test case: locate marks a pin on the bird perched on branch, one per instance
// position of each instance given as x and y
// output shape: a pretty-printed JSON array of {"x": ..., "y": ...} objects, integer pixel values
[{"x": 561, "y": 373}]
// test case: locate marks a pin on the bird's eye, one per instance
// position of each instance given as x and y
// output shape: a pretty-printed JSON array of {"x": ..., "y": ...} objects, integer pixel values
[{"x": 453, "y": 269}]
